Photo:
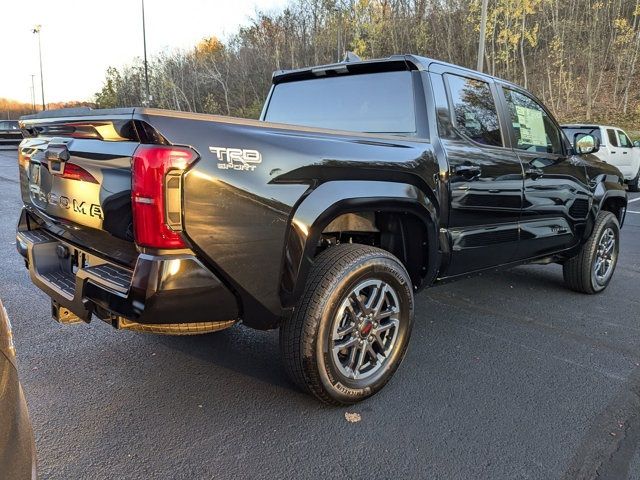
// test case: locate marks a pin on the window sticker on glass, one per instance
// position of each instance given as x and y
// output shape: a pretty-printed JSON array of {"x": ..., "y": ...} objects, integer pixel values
[
  {"x": 471, "y": 122},
  {"x": 532, "y": 130}
]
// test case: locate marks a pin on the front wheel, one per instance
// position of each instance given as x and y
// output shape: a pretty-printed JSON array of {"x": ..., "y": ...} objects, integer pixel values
[
  {"x": 634, "y": 184},
  {"x": 351, "y": 327},
  {"x": 591, "y": 270}
]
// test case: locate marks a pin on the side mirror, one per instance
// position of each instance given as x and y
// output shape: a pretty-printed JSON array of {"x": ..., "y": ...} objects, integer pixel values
[
  {"x": 636, "y": 143},
  {"x": 584, "y": 144}
]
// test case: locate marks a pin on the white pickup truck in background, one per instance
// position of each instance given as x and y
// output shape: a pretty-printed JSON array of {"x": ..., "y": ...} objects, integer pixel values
[{"x": 615, "y": 148}]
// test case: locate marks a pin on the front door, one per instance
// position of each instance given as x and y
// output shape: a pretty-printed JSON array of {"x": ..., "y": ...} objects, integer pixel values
[
  {"x": 627, "y": 155},
  {"x": 613, "y": 145},
  {"x": 485, "y": 175},
  {"x": 557, "y": 198}
]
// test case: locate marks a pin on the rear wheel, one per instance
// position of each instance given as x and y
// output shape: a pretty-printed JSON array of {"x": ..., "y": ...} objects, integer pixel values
[
  {"x": 592, "y": 269},
  {"x": 351, "y": 328}
]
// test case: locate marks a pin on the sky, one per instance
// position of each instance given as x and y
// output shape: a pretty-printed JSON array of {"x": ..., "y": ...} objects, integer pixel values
[{"x": 80, "y": 39}]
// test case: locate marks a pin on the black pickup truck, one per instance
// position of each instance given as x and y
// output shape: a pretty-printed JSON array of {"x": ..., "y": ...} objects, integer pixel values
[
  {"x": 362, "y": 183},
  {"x": 10, "y": 133}
]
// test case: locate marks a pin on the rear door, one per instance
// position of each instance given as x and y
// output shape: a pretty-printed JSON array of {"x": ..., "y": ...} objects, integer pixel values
[
  {"x": 556, "y": 192},
  {"x": 485, "y": 175}
]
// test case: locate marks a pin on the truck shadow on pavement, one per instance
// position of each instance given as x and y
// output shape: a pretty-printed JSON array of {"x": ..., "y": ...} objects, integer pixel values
[
  {"x": 256, "y": 355},
  {"x": 238, "y": 349}
]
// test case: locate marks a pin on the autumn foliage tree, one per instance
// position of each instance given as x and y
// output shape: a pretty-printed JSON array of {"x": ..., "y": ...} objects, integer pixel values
[
  {"x": 579, "y": 56},
  {"x": 12, "y": 109}
]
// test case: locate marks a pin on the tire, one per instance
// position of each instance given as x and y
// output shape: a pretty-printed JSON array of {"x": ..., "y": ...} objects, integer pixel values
[
  {"x": 633, "y": 184},
  {"x": 581, "y": 273},
  {"x": 330, "y": 313}
]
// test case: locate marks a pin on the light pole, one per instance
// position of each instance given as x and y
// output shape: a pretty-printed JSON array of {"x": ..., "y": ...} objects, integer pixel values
[
  {"x": 339, "y": 33},
  {"x": 33, "y": 93},
  {"x": 483, "y": 28},
  {"x": 37, "y": 29},
  {"x": 146, "y": 70}
]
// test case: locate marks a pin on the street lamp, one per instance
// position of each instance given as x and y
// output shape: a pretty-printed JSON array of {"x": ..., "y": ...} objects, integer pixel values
[
  {"x": 37, "y": 29},
  {"x": 338, "y": 11},
  {"x": 483, "y": 28},
  {"x": 33, "y": 93},
  {"x": 146, "y": 70}
]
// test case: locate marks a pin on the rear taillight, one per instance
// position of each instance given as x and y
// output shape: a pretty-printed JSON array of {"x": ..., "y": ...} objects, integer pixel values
[
  {"x": 155, "y": 188},
  {"x": 75, "y": 172}
]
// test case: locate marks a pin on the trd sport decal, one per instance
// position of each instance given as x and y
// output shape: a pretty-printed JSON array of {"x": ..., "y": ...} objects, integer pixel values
[{"x": 237, "y": 158}]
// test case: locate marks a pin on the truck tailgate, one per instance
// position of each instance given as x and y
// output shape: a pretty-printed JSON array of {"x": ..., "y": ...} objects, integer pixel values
[{"x": 75, "y": 175}]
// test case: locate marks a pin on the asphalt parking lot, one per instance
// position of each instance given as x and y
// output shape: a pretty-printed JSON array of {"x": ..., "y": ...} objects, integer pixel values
[{"x": 509, "y": 375}]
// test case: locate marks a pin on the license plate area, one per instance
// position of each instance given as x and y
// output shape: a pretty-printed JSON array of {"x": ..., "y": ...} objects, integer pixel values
[{"x": 79, "y": 259}]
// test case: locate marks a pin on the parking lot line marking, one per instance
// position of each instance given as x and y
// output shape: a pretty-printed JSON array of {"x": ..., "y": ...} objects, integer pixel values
[
  {"x": 632, "y": 211},
  {"x": 634, "y": 200}
]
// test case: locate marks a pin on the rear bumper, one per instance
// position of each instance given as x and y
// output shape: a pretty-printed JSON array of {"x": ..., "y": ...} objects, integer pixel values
[{"x": 175, "y": 292}]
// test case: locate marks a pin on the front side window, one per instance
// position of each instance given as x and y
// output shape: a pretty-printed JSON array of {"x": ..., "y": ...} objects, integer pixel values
[
  {"x": 624, "y": 140},
  {"x": 474, "y": 109},
  {"x": 534, "y": 128},
  {"x": 613, "y": 139}
]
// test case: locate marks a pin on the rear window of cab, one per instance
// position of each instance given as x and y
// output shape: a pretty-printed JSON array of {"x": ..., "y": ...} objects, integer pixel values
[{"x": 380, "y": 102}]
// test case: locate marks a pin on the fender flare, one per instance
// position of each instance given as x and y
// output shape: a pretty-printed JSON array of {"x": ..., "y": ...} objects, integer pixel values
[
  {"x": 335, "y": 198},
  {"x": 606, "y": 190}
]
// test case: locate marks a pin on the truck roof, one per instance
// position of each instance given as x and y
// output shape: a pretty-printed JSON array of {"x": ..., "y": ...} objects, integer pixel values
[{"x": 392, "y": 63}]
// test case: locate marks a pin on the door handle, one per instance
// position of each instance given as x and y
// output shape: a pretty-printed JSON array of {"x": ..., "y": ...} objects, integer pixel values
[
  {"x": 467, "y": 171},
  {"x": 613, "y": 151},
  {"x": 533, "y": 172},
  {"x": 624, "y": 153}
]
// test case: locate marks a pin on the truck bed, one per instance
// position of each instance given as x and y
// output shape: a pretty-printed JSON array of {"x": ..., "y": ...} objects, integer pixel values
[{"x": 236, "y": 207}]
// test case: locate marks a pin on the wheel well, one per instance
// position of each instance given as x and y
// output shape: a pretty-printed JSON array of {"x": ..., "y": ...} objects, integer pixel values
[
  {"x": 404, "y": 235},
  {"x": 616, "y": 206}
]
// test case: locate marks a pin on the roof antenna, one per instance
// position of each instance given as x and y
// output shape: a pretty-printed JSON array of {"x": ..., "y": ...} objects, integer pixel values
[{"x": 351, "y": 57}]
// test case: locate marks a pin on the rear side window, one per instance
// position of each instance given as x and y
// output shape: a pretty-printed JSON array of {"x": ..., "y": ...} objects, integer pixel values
[
  {"x": 613, "y": 139},
  {"x": 534, "y": 129},
  {"x": 624, "y": 140},
  {"x": 474, "y": 110},
  {"x": 373, "y": 102}
]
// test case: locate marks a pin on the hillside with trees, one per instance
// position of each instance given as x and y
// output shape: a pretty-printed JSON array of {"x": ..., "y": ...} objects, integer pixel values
[
  {"x": 12, "y": 109},
  {"x": 579, "y": 56}
]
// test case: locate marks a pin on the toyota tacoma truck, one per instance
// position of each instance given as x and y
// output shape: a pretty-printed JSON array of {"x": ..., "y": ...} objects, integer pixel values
[{"x": 362, "y": 183}]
